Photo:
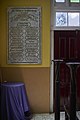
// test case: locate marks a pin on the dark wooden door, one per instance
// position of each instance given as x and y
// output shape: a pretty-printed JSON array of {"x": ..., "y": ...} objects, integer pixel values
[{"x": 67, "y": 46}]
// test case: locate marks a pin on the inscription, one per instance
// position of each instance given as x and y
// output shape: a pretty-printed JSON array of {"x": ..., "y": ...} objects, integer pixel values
[{"x": 24, "y": 43}]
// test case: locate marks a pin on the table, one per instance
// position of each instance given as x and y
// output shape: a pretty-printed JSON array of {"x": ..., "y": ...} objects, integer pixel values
[
  {"x": 57, "y": 88},
  {"x": 73, "y": 65},
  {"x": 14, "y": 101}
]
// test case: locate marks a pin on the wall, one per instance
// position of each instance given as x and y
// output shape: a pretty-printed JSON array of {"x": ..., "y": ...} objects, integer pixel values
[{"x": 35, "y": 77}]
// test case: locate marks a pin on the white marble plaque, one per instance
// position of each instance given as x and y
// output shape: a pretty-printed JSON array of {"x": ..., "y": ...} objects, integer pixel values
[{"x": 24, "y": 35}]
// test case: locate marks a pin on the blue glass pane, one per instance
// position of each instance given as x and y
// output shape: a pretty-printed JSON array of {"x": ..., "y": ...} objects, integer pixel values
[{"x": 61, "y": 18}]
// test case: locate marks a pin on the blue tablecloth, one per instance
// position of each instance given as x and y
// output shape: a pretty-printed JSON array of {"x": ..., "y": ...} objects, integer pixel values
[{"x": 14, "y": 102}]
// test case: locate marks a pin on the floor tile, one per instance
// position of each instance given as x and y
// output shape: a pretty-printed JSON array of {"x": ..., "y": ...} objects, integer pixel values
[{"x": 47, "y": 116}]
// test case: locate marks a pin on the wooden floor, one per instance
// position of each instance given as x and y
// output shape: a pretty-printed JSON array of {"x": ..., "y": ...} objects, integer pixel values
[{"x": 47, "y": 116}]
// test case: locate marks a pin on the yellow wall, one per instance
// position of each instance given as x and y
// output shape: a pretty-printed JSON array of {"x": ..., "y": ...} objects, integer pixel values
[
  {"x": 35, "y": 77},
  {"x": 36, "y": 80},
  {"x": 45, "y": 5}
]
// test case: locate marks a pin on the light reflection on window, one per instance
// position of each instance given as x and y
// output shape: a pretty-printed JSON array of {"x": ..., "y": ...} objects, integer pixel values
[
  {"x": 60, "y": 0},
  {"x": 75, "y": 1},
  {"x": 73, "y": 19}
]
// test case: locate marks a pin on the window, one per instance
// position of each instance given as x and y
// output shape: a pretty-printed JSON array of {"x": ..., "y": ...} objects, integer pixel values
[
  {"x": 61, "y": 19},
  {"x": 75, "y": 1},
  {"x": 67, "y": 19},
  {"x": 59, "y": 0},
  {"x": 73, "y": 19},
  {"x": 67, "y": 13}
]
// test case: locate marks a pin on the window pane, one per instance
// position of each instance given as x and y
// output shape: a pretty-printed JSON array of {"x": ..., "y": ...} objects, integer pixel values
[
  {"x": 61, "y": 19},
  {"x": 74, "y": 1},
  {"x": 73, "y": 19},
  {"x": 60, "y": 0}
]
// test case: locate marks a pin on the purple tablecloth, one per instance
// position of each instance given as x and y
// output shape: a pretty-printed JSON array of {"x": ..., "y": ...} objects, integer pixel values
[{"x": 14, "y": 102}]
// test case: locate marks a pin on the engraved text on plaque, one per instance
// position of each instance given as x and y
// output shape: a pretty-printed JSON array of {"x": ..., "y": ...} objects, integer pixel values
[{"x": 24, "y": 35}]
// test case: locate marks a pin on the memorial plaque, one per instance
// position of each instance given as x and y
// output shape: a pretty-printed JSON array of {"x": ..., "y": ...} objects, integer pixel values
[{"x": 24, "y": 35}]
